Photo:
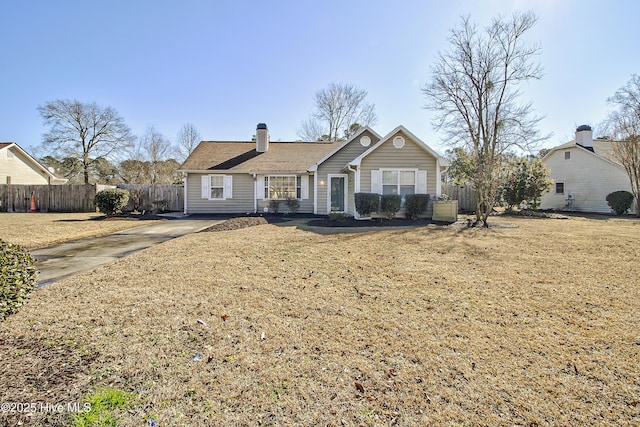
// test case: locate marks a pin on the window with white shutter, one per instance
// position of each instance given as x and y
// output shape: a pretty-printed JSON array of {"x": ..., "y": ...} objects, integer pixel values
[{"x": 217, "y": 187}]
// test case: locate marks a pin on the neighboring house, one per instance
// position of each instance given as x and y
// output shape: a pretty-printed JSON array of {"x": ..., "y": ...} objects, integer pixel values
[
  {"x": 244, "y": 177},
  {"x": 584, "y": 171},
  {"x": 18, "y": 167}
]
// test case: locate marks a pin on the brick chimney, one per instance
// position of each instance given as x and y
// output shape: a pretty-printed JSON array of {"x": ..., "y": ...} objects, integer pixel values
[
  {"x": 262, "y": 138},
  {"x": 584, "y": 137}
]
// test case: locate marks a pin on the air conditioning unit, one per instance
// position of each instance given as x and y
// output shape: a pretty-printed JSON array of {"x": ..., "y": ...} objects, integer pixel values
[{"x": 569, "y": 202}]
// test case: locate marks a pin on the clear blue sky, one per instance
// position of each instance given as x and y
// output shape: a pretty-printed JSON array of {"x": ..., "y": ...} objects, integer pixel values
[{"x": 225, "y": 66}]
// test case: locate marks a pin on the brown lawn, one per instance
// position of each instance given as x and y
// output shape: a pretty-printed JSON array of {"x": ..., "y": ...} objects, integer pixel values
[
  {"x": 533, "y": 325},
  {"x": 33, "y": 230}
]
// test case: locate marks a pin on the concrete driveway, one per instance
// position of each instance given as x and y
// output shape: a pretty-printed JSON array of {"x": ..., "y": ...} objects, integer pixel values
[{"x": 68, "y": 259}]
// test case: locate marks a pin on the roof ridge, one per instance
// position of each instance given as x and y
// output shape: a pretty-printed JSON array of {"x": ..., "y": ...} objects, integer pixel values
[{"x": 274, "y": 142}]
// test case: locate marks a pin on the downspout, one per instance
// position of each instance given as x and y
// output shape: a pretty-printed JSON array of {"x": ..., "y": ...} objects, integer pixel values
[
  {"x": 255, "y": 193},
  {"x": 315, "y": 192},
  {"x": 438, "y": 179},
  {"x": 185, "y": 178},
  {"x": 356, "y": 188}
]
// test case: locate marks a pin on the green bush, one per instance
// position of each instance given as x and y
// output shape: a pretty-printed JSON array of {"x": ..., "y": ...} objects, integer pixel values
[
  {"x": 416, "y": 205},
  {"x": 367, "y": 203},
  {"x": 390, "y": 205},
  {"x": 620, "y": 201},
  {"x": 293, "y": 205},
  {"x": 337, "y": 216},
  {"x": 111, "y": 201},
  {"x": 18, "y": 277}
]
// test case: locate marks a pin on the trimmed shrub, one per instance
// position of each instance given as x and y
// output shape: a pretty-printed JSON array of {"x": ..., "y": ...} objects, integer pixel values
[
  {"x": 274, "y": 206},
  {"x": 111, "y": 201},
  {"x": 416, "y": 205},
  {"x": 18, "y": 277},
  {"x": 367, "y": 203},
  {"x": 620, "y": 201},
  {"x": 390, "y": 204},
  {"x": 293, "y": 205},
  {"x": 337, "y": 217}
]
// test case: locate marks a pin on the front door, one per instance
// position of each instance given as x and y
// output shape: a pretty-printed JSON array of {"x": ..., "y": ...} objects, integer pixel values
[{"x": 337, "y": 192}]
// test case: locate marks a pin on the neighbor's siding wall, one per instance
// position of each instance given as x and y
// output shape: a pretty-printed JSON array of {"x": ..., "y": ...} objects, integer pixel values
[
  {"x": 409, "y": 156},
  {"x": 587, "y": 177},
  {"x": 336, "y": 164},
  {"x": 19, "y": 169},
  {"x": 241, "y": 202}
]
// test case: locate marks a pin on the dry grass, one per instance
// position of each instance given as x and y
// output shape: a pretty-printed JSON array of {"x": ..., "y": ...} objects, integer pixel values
[
  {"x": 535, "y": 325},
  {"x": 33, "y": 230}
]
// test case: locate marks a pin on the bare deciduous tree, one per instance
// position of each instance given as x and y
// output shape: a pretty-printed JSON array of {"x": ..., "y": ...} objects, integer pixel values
[
  {"x": 625, "y": 126},
  {"x": 187, "y": 139},
  {"x": 338, "y": 107},
  {"x": 84, "y": 131},
  {"x": 473, "y": 89},
  {"x": 312, "y": 130},
  {"x": 156, "y": 148}
]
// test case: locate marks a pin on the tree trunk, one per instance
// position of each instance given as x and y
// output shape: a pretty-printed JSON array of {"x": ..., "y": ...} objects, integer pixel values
[{"x": 85, "y": 167}]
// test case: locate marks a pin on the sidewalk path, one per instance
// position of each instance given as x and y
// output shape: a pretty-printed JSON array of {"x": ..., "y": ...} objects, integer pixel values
[{"x": 68, "y": 259}]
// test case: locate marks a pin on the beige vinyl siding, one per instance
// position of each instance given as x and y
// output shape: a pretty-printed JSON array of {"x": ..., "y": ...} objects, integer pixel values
[
  {"x": 13, "y": 164},
  {"x": 336, "y": 165},
  {"x": 241, "y": 202},
  {"x": 588, "y": 177},
  {"x": 411, "y": 156}
]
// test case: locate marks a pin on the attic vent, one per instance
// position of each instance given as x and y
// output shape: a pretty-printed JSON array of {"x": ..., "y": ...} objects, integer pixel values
[
  {"x": 398, "y": 142},
  {"x": 365, "y": 141}
]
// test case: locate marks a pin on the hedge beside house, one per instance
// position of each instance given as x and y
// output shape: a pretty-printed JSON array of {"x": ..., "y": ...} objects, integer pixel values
[
  {"x": 416, "y": 205},
  {"x": 366, "y": 203}
]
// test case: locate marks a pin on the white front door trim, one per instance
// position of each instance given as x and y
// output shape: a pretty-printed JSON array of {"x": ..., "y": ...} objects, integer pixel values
[{"x": 345, "y": 189}]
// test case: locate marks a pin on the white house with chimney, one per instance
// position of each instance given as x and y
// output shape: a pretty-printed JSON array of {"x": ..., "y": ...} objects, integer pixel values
[{"x": 584, "y": 171}]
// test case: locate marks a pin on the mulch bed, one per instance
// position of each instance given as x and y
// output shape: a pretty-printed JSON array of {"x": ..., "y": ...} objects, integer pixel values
[
  {"x": 238, "y": 223},
  {"x": 378, "y": 222}
]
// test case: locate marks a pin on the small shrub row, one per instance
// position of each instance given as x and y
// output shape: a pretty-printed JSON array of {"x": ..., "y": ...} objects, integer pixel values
[
  {"x": 389, "y": 204},
  {"x": 18, "y": 277},
  {"x": 292, "y": 204}
]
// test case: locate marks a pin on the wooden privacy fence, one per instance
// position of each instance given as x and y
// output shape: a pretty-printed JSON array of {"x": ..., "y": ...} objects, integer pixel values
[
  {"x": 464, "y": 194},
  {"x": 79, "y": 198},
  {"x": 149, "y": 197},
  {"x": 48, "y": 198}
]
